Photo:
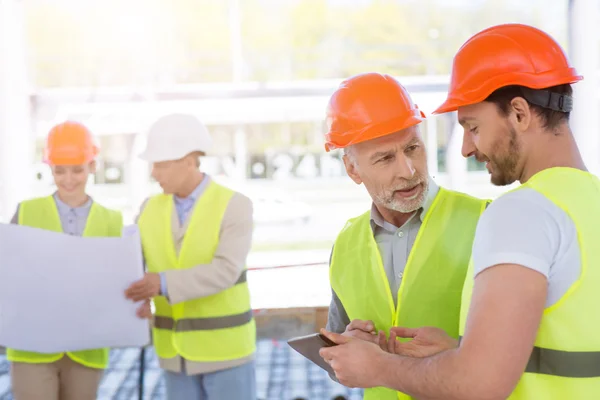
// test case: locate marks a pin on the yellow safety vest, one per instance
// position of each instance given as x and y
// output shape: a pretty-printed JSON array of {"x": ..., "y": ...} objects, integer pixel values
[
  {"x": 430, "y": 292},
  {"x": 565, "y": 362},
  {"x": 42, "y": 213},
  {"x": 219, "y": 327}
]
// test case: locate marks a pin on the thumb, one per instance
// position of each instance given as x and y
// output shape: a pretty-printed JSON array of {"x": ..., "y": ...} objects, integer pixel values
[
  {"x": 365, "y": 326},
  {"x": 335, "y": 337},
  {"x": 141, "y": 312},
  {"x": 404, "y": 332}
]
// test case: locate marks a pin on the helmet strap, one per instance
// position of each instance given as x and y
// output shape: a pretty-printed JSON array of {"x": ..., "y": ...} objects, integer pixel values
[{"x": 547, "y": 99}]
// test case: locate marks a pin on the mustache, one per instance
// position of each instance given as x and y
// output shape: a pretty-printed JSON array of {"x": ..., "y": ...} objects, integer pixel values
[
  {"x": 480, "y": 157},
  {"x": 407, "y": 185}
]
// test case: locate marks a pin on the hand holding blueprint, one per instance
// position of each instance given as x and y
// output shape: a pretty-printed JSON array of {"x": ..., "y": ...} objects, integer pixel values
[{"x": 66, "y": 293}]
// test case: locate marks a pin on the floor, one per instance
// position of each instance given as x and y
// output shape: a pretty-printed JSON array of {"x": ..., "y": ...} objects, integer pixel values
[{"x": 282, "y": 374}]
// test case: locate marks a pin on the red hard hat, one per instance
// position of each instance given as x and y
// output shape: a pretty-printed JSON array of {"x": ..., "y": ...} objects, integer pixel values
[
  {"x": 505, "y": 55},
  {"x": 69, "y": 143},
  {"x": 368, "y": 106}
]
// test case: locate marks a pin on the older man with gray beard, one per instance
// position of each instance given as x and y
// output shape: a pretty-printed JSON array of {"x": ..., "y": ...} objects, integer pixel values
[{"x": 403, "y": 263}]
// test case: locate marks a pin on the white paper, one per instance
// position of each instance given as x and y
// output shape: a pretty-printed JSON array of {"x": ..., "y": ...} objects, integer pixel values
[{"x": 67, "y": 293}]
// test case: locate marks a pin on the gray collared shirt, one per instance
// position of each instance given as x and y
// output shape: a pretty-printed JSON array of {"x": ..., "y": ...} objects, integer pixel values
[
  {"x": 72, "y": 219},
  {"x": 395, "y": 244}
]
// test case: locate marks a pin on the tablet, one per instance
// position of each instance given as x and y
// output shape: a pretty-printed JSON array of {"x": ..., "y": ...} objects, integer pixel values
[{"x": 309, "y": 347}]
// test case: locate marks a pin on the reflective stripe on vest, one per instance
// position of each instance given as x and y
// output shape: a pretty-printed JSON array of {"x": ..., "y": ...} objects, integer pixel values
[
  {"x": 42, "y": 213},
  {"x": 568, "y": 364},
  {"x": 202, "y": 324},
  {"x": 429, "y": 294},
  {"x": 581, "y": 364},
  {"x": 219, "y": 327},
  {"x": 565, "y": 362}
]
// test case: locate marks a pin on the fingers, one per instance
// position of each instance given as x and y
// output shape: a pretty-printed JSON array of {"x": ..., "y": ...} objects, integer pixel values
[
  {"x": 132, "y": 292},
  {"x": 145, "y": 295},
  {"x": 382, "y": 341},
  {"x": 135, "y": 288},
  {"x": 358, "y": 334},
  {"x": 327, "y": 353},
  {"x": 362, "y": 325},
  {"x": 139, "y": 290},
  {"x": 137, "y": 284},
  {"x": 335, "y": 337},
  {"x": 139, "y": 294},
  {"x": 404, "y": 332},
  {"x": 388, "y": 345},
  {"x": 144, "y": 311},
  {"x": 392, "y": 343}
]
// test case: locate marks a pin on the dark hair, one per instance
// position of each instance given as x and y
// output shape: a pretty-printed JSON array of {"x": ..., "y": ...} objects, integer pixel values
[{"x": 551, "y": 119}]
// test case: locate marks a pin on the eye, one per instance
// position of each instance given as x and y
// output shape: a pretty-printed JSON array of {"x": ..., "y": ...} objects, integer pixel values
[
  {"x": 412, "y": 148},
  {"x": 473, "y": 130},
  {"x": 385, "y": 158}
]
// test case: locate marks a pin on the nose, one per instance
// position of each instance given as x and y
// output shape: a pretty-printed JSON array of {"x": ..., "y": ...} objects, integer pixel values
[
  {"x": 69, "y": 176},
  {"x": 468, "y": 147},
  {"x": 153, "y": 173},
  {"x": 406, "y": 168}
]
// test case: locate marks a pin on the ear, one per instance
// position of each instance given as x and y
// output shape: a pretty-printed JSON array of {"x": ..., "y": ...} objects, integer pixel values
[
  {"x": 521, "y": 115},
  {"x": 92, "y": 167},
  {"x": 193, "y": 160},
  {"x": 352, "y": 169}
]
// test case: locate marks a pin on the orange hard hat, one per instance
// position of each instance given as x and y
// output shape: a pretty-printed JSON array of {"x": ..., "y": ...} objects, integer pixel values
[
  {"x": 69, "y": 143},
  {"x": 368, "y": 106},
  {"x": 505, "y": 55}
]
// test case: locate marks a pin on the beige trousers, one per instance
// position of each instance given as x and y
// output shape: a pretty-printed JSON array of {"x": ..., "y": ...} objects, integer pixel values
[{"x": 61, "y": 380}]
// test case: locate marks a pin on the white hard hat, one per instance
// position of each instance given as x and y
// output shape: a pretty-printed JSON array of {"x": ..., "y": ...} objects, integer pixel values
[{"x": 174, "y": 136}]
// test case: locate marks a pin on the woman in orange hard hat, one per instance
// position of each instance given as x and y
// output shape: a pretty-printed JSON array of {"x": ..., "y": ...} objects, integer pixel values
[
  {"x": 70, "y": 153},
  {"x": 529, "y": 315}
]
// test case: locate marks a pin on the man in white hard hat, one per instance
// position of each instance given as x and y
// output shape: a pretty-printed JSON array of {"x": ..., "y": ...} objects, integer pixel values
[{"x": 196, "y": 237}]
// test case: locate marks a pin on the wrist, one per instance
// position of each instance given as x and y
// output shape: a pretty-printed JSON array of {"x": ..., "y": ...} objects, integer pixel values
[
  {"x": 162, "y": 289},
  {"x": 382, "y": 367}
]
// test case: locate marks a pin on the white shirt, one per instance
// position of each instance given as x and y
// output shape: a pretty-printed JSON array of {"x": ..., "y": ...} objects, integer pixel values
[{"x": 524, "y": 227}]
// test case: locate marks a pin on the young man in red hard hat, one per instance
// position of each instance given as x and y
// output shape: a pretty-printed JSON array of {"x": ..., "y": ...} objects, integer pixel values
[
  {"x": 404, "y": 261},
  {"x": 529, "y": 320},
  {"x": 196, "y": 236},
  {"x": 70, "y": 152}
]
